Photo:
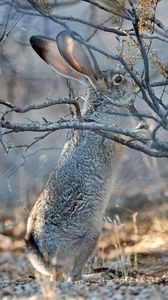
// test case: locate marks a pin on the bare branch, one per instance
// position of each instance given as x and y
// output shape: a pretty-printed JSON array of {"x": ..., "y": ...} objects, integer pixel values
[
  {"x": 49, "y": 102},
  {"x": 125, "y": 13}
]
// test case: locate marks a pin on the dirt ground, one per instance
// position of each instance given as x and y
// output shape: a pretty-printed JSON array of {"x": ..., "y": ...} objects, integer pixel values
[{"x": 132, "y": 257}]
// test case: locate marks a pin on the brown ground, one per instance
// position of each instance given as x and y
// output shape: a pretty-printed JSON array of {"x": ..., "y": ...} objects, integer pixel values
[{"x": 132, "y": 256}]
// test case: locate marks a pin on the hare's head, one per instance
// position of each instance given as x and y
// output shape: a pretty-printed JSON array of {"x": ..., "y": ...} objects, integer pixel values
[{"x": 69, "y": 57}]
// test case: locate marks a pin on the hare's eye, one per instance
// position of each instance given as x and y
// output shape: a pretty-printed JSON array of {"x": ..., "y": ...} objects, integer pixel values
[{"x": 118, "y": 79}]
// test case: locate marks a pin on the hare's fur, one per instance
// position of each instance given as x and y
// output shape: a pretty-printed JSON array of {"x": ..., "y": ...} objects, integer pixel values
[{"x": 65, "y": 222}]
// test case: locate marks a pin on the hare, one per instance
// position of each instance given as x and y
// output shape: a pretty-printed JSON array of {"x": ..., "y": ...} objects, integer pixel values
[{"x": 65, "y": 223}]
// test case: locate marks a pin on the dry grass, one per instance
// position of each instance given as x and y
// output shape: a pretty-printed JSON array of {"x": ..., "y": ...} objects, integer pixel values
[
  {"x": 122, "y": 244},
  {"x": 133, "y": 252}
]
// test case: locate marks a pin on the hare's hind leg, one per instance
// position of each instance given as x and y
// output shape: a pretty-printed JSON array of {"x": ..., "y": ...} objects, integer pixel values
[{"x": 87, "y": 248}]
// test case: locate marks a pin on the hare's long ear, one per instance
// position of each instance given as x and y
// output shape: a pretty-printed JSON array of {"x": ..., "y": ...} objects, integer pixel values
[
  {"x": 47, "y": 49},
  {"x": 77, "y": 55}
]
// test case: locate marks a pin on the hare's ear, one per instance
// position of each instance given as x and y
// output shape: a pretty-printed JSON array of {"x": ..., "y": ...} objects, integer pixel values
[
  {"x": 47, "y": 49},
  {"x": 77, "y": 55}
]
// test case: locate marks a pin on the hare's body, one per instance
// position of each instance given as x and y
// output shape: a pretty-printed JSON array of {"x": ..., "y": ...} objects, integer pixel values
[{"x": 65, "y": 223}]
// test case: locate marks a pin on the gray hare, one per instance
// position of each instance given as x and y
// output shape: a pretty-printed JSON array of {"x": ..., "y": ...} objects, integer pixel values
[{"x": 65, "y": 223}]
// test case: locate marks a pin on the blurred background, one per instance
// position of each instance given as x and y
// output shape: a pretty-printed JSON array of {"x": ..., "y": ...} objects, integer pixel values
[{"x": 142, "y": 181}]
